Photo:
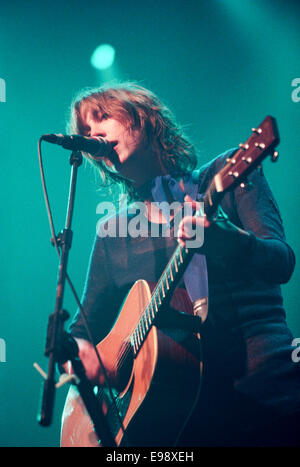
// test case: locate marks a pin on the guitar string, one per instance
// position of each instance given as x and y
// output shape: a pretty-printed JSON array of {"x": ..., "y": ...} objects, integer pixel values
[
  {"x": 178, "y": 253},
  {"x": 139, "y": 330},
  {"x": 140, "y": 336},
  {"x": 125, "y": 352}
]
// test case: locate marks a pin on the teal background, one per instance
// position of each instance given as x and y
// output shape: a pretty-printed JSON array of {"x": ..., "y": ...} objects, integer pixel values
[{"x": 220, "y": 65}]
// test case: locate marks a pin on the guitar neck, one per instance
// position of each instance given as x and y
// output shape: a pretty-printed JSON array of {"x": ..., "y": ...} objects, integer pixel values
[
  {"x": 182, "y": 255},
  {"x": 165, "y": 286}
]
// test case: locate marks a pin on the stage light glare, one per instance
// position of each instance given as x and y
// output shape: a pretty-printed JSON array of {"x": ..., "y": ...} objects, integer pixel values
[{"x": 103, "y": 57}]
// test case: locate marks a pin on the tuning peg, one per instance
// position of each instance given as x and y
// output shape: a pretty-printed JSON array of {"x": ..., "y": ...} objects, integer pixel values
[
  {"x": 244, "y": 146},
  {"x": 260, "y": 145},
  {"x": 256, "y": 130},
  {"x": 274, "y": 156},
  {"x": 247, "y": 160},
  {"x": 231, "y": 160}
]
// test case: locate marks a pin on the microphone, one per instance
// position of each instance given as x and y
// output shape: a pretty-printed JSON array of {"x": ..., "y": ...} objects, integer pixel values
[{"x": 96, "y": 146}]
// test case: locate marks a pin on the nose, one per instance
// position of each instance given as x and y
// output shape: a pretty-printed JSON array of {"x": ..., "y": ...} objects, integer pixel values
[{"x": 96, "y": 129}]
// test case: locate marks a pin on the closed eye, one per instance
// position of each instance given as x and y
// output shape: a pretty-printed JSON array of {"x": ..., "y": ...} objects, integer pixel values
[{"x": 102, "y": 116}]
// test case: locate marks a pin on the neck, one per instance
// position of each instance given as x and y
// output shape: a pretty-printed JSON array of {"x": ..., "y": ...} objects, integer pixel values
[{"x": 142, "y": 168}]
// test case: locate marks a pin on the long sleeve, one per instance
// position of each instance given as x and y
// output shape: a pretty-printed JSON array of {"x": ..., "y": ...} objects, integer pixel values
[
  {"x": 254, "y": 209},
  {"x": 97, "y": 296},
  {"x": 269, "y": 256}
]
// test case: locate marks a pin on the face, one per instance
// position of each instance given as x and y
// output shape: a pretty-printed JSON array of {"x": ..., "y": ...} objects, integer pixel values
[{"x": 127, "y": 142}]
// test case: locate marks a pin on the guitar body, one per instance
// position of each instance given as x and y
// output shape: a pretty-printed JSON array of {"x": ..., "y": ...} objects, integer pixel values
[{"x": 156, "y": 389}]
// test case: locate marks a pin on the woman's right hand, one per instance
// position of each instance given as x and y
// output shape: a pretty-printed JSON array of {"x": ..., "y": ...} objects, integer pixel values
[{"x": 89, "y": 360}]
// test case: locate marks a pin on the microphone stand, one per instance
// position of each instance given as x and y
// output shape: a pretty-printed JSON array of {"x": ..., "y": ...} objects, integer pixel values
[{"x": 60, "y": 346}]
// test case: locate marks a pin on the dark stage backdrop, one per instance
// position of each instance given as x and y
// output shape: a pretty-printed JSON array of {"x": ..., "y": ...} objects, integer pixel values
[{"x": 221, "y": 65}]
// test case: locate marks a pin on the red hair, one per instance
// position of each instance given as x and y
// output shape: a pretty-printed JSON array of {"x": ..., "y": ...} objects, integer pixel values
[{"x": 137, "y": 108}]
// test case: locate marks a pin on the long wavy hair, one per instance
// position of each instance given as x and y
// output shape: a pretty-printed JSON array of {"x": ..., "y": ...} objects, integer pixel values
[{"x": 136, "y": 108}]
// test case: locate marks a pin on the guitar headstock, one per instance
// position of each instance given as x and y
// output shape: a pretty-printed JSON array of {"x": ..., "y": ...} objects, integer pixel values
[{"x": 250, "y": 154}]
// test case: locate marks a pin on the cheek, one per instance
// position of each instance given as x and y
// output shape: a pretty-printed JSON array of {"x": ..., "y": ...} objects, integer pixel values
[{"x": 135, "y": 140}]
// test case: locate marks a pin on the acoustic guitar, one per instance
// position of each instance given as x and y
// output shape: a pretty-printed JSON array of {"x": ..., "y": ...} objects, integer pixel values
[{"x": 154, "y": 348}]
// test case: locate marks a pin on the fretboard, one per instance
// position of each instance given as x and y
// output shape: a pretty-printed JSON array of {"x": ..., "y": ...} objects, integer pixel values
[{"x": 161, "y": 294}]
